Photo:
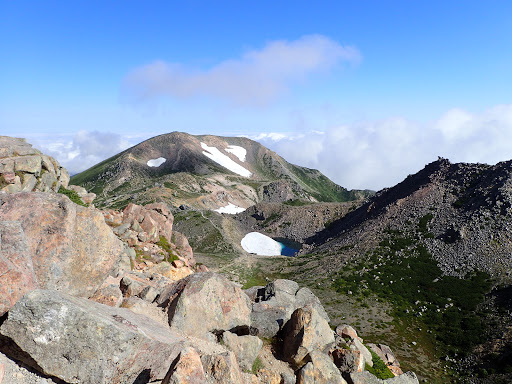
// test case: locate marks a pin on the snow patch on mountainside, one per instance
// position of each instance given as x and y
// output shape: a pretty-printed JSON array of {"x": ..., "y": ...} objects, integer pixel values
[
  {"x": 214, "y": 154},
  {"x": 261, "y": 245},
  {"x": 156, "y": 162},
  {"x": 230, "y": 208},
  {"x": 239, "y": 152}
]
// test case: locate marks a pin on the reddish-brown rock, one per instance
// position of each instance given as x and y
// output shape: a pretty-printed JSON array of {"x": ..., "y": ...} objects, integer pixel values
[
  {"x": 17, "y": 275},
  {"x": 72, "y": 248}
]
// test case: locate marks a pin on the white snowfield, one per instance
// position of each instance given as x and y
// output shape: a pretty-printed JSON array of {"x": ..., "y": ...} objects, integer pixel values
[
  {"x": 214, "y": 154},
  {"x": 239, "y": 152},
  {"x": 156, "y": 162},
  {"x": 261, "y": 245},
  {"x": 230, "y": 208}
]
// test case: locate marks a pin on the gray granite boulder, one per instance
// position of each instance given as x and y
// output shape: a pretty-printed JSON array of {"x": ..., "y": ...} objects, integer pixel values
[
  {"x": 80, "y": 341},
  {"x": 205, "y": 303}
]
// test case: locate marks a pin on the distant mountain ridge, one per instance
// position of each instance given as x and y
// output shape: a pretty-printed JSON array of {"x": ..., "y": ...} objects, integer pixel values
[{"x": 206, "y": 171}]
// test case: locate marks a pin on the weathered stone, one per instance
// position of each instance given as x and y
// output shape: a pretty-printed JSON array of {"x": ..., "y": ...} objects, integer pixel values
[
  {"x": 345, "y": 330},
  {"x": 7, "y": 165},
  {"x": 12, "y": 372},
  {"x": 80, "y": 341},
  {"x": 150, "y": 226},
  {"x": 186, "y": 300},
  {"x": 110, "y": 295},
  {"x": 63, "y": 176},
  {"x": 9, "y": 177},
  {"x": 47, "y": 182},
  {"x": 357, "y": 345},
  {"x": 305, "y": 298},
  {"x": 305, "y": 332},
  {"x": 131, "y": 286},
  {"x": 30, "y": 164},
  {"x": 246, "y": 348},
  {"x": 29, "y": 182},
  {"x": 178, "y": 264},
  {"x": 274, "y": 304},
  {"x": 348, "y": 360},
  {"x": 167, "y": 270},
  {"x": 320, "y": 370},
  {"x": 142, "y": 307},
  {"x": 187, "y": 369},
  {"x": 387, "y": 356},
  {"x": 71, "y": 247},
  {"x": 17, "y": 275},
  {"x": 183, "y": 247},
  {"x": 221, "y": 368},
  {"x": 366, "y": 377},
  {"x": 149, "y": 294}
]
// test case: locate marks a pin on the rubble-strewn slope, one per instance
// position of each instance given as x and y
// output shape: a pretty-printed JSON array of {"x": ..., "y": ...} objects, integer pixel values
[{"x": 465, "y": 211}]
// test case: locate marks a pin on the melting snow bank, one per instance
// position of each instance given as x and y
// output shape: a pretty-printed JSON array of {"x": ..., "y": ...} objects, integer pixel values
[
  {"x": 239, "y": 152},
  {"x": 261, "y": 245},
  {"x": 156, "y": 162},
  {"x": 231, "y": 209},
  {"x": 214, "y": 154}
]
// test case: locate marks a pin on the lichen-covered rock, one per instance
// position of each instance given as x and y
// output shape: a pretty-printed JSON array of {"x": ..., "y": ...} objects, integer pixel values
[
  {"x": 320, "y": 370},
  {"x": 80, "y": 341},
  {"x": 246, "y": 348},
  {"x": 17, "y": 275},
  {"x": 205, "y": 302},
  {"x": 366, "y": 355},
  {"x": 221, "y": 368},
  {"x": 109, "y": 295},
  {"x": 348, "y": 360},
  {"x": 12, "y": 372},
  {"x": 187, "y": 369},
  {"x": 274, "y": 304},
  {"x": 71, "y": 247},
  {"x": 25, "y": 169},
  {"x": 366, "y": 377},
  {"x": 305, "y": 332}
]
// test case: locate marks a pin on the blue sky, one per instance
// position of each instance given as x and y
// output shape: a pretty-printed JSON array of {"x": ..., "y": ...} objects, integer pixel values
[{"x": 365, "y": 91}]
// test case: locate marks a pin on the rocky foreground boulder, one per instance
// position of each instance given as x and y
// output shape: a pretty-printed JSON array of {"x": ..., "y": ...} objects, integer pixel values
[
  {"x": 52, "y": 337},
  {"x": 52, "y": 243},
  {"x": 26, "y": 169}
]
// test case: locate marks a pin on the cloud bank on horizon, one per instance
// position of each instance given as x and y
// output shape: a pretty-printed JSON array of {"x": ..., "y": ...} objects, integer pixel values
[
  {"x": 379, "y": 154},
  {"x": 255, "y": 79},
  {"x": 364, "y": 155}
]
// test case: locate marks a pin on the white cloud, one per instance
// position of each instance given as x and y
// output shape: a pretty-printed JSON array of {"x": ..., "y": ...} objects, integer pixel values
[
  {"x": 378, "y": 154},
  {"x": 256, "y": 78},
  {"x": 83, "y": 149}
]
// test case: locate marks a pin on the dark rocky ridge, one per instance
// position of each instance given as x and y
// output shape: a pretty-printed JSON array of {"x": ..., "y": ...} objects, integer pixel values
[{"x": 469, "y": 211}]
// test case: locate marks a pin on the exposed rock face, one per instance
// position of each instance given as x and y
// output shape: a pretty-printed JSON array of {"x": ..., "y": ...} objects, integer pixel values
[
  {"x": 149, "y": 230},
  {"x": 305, "y": 332},
  {"x": 246, "y": 348},
  {"x": 17, "y": 275},
  {"x": 80, "y": 341},
  {"x": 71, "y": 247},
  {"x": 228, "y": 307},
  {"x": 23, "y": 168},
  {"x": 320, "y": 370},
  {"x": 188, "y": 369},
  {"x": 367, "y": 378},
  {"x": 274, "y": 304}
]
